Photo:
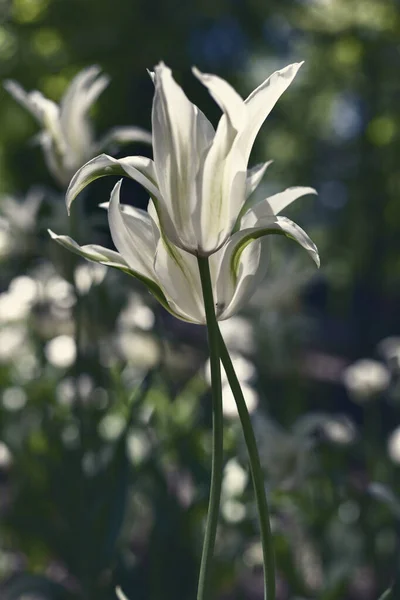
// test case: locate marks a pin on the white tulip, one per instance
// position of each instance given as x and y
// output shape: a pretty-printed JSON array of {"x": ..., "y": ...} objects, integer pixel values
[
  {"x": 198, "y": 187},
  {"x": 66, "y": 136},
  {"x": 198, "y": 180}
]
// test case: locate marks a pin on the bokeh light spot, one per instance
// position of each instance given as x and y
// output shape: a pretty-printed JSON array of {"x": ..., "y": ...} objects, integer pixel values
[
  {"x": 347, "y": 52},
  {"x": 8, "y": 44},
  {"x": 29, "y": 11},
  {"x": 47, "y": 43},
  {"x": 54, "y": 86},
  {"x": 381, "y": 130},
  {"x": 61, "y": 351}
]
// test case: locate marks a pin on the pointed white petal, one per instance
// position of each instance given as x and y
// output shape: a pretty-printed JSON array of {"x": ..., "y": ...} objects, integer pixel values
[
  {"x": 233, "y": 292},
  {"x": 84, "y": 90},
  {"x": 75, "y": 123},
  {"x": 281, "y": 200},
  {"x": 91, "y": 252},
  {"x": 155, "y": 221},
  {"x": 221, "y": 187},
  {"x": 44, "y": 110},
  {"x": 53, "y": 159},
  {"x": 178, "y": 274},
  {"x": 254, "y": 176},
  {"x": 242, "y": 263},
  {"x": 273, "y": 205},
  {"x": 151, "y": 212},
  {"x": 22, "y": 97},
  {"x": 226, "y": 97},
  {"x": 222, "y": 173},
  {"x": 124, "y": 135},
  {"x": 173, "y": 124},
  {"x": 120, "y": 594},
  {"x": 132, "y": 234},
  {"x": 181, "y": 135},
  {"x": 204, "y": 134},
  {"x": 110, "y": 258},
  {"x": 260, "y": 103},
  {"x": 139, "y": 168},
  {"x": 152, "y": 75},
  {"x": 272, "y": 225},
  {"x": 34, "y": 101}
]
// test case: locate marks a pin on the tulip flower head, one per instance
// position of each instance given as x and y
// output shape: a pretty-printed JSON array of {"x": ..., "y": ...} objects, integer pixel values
[
  {"x": 198, "y": 183},
  {"x": 67, "y": 137}
]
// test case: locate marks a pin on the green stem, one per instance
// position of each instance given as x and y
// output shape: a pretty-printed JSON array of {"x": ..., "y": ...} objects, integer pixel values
[
  {"x": 74, "y": 226},
  {"x": 256, "y": 473},
  {"x": 217, "y": 445}
]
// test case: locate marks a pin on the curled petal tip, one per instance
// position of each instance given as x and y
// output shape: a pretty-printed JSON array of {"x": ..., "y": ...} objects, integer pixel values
[
  {"x": 308, "y": 190},
  {"x": 53, "y": 235},
  {"x": 151, "y": 74},
  {"x": 317, "y": 259},
  {"x": 161, "y": 66},
  {"x": 196, "y": 72},
  {"x": 120, "y": 594},
  {"x": 116, "y": 187}
]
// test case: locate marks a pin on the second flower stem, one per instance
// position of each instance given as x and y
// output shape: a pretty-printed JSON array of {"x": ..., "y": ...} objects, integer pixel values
[
  {"x": 217, "y": 444},
  {"x": 256, "y": 472}
]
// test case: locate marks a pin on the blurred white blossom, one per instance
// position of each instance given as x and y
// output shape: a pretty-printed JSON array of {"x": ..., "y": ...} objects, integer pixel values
[
  {"x": 337, "y": 428},
  {"x": 12, "y": 339},
  {"x": 66, "y": 136},
  {"x": 141, "y": 350},
  {"x": 285, "y": 455},
  {"x": 289, "y": 455},
  {"x": 16, "y": 302},
  {"x": 229, "y": 404},
  {"x": 5, "y": 456},
  {"x": 19, "y": 215},
  {"x": 235, "y": 479},
  {"x": 136, "y": 314},
  {"x": 14, "y": 398},
  {"x": 111, "y": 426},
  {"x": 61, "y": 351},
  {"x": 238, "y": 334},
  {"x": 393, "y": 445},
  {"x": 389, "y": 348},
  {"x": 87, "y": 275},
  {"x": 365, "y": 379},
  {"x": 52, "y": 313},
  {"x": 245, "y": 370},
  {"x": 137, "y": 446}
]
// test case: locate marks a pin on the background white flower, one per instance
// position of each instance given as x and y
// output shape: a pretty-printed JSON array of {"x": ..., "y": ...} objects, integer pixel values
[
  {"x": 366, "y": 378},
  {"x": 67, "y": 137}
]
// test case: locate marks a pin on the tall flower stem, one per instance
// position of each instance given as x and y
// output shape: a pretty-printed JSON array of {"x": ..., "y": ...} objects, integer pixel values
[
  {"x": 217, "y": 445},
  {"x": 256, "y": 473}
]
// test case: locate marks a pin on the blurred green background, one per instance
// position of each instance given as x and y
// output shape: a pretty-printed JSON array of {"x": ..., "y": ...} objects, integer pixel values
[{"x": 105, "y": 403}]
